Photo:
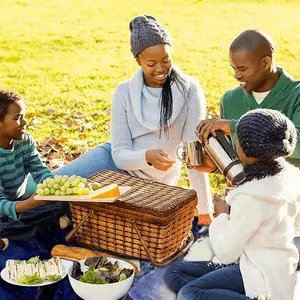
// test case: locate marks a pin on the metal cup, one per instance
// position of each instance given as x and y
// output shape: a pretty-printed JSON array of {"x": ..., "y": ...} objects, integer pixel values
[{"x": 193, "y": 153}]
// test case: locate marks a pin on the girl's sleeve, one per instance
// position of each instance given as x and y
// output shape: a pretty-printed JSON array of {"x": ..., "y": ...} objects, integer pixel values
[
  {"x": 123, "y": 154},
  {"x": 230, "y": 234},
  {"x": 36, "y": 167},
  {"x": 196, "y": 111},
  {"x": 297, "y": 225}
]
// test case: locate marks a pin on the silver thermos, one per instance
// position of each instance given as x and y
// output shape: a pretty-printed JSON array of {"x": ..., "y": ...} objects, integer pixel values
[{"x": 220, "y": 151}]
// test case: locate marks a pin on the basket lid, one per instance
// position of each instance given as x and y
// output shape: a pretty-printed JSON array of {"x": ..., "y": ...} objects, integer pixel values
[{"x": 145, "y": 195}]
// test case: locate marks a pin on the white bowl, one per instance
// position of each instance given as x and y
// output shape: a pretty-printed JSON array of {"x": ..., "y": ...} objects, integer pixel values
[{"x": 110, "y": 291}]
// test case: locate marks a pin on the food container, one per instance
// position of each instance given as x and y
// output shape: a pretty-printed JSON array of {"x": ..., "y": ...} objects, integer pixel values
[{"x": 151, "y": 221}]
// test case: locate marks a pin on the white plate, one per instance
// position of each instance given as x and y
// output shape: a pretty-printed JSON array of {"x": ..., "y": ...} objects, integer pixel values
[
  {"x": 86, "y": 198},
  {"x": 65, "y": 266}
]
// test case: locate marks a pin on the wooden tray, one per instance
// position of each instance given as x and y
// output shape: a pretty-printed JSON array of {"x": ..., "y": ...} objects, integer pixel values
[{"x": 85, "y": 198}]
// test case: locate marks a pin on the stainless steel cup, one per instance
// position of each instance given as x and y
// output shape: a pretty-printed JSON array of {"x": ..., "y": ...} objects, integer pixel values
[{"x": 193, "y": 153}]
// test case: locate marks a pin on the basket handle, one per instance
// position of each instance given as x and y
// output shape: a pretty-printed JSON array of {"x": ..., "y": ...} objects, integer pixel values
[
  {"x": 168, "y": 260},
  {"x": 73, "y": 231}
]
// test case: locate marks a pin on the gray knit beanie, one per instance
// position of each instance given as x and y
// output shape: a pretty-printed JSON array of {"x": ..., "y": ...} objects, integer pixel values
[
  {"x": 266, "y": 134},
  {"x": 146, "y": 32}
]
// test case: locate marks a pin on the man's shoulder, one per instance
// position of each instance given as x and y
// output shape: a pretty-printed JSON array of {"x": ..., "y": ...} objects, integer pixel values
[{"x": 232, "y": 95}]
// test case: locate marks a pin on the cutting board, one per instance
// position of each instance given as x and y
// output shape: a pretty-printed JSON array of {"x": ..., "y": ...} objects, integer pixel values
[{"x": 84, "y": 198}]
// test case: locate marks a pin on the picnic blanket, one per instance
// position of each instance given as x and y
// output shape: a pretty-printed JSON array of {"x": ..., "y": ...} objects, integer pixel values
[
  {"x": 62, "y": 290},
  {"x": 149, "y": 285}
]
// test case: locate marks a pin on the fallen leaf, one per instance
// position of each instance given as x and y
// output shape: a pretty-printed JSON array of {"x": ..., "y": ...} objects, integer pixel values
[
  {"x": 50, "y": 111},
  {"x": 83, "y": 136},
  {"x": 70, "y": 123},
  {"x": 79, "y": 115}
]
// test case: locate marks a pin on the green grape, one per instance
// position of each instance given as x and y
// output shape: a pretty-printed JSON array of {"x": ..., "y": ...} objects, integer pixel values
[
  {"x": 50, "y": 185},
  {"x": 57, "y": 178},
  {"x": 84, "y": 181},
  {"x": 67, "y": 184},
  {"x": 64, "y": 178},
  {"x": 40, "y": 191},
  {"x": 69, "y": 191},
  {"x": 57, "y": 193},
  {"x": 95, "y": 186},
  {"x": 79, "y": 191},
  {"x": 74, "y": 183},
  {"x": 81, "y": 185},
  {"x": 47, "y": 180}
]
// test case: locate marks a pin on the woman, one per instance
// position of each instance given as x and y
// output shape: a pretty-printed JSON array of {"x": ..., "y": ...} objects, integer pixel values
[{"x": 152, "y": 114}]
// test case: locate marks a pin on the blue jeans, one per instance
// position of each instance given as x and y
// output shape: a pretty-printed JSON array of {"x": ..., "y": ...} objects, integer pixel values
[
  {"x": 94, "y": 161},
  {"x": 34, "y": 222},
  {"x": 206, "y": 280}
]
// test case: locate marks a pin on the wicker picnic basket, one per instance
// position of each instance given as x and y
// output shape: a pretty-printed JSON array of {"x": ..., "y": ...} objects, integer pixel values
[{"x": 150, "y": 221}]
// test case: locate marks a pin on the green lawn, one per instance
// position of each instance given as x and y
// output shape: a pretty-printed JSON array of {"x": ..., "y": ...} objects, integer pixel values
[{"x": 68, "y": 55}]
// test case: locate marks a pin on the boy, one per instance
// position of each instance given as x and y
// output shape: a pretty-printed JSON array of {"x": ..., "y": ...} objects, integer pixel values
[{"x": 22, "y": 217}]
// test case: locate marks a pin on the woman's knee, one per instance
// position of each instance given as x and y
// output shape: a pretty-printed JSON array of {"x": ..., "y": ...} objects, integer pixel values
[{"x": 89, "y": 163}]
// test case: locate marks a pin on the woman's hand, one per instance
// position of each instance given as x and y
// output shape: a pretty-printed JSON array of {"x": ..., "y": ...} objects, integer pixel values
[
  {"x": 220, "y": 206},
  {"x": 205, "y": 127},
  {"x": 160, "y": 159}
]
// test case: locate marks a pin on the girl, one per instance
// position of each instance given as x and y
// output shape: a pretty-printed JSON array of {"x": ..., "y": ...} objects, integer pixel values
[
  {"x": 253, "y": 244},
  {"x": 152, "y": 114}
]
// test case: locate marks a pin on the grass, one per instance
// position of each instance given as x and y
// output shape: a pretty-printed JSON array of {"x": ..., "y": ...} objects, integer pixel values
[{"x": 68, "y": 55}]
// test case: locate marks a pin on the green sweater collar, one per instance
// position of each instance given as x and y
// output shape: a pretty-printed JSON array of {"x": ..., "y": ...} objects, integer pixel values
[{"x": 280, "y": 86}]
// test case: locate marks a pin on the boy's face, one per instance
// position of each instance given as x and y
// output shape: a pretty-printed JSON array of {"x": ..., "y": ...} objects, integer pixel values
[{"x": 14, "y": 124}]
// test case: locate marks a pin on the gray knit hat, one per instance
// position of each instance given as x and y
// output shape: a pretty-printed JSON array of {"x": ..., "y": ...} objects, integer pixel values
[
  {"x": 146, "y": 32},
  {"x": 266, "y": 134}
]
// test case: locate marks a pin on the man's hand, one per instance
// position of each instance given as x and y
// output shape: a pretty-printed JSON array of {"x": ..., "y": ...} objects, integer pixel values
[
  {"x": 160, "y": 159},
  {"x": 205, "y": 127},
  {"x": 220, "y": 206},
  {"x": 29, "y": 203}
]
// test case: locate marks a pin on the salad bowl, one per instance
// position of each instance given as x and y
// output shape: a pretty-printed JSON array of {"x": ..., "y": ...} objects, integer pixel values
[{"x": 98, "y": 289}]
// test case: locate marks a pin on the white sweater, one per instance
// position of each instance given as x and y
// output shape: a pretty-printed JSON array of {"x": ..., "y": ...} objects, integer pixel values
[
  {"x": 135, "y": 129},
  {"x": 259, "y": 233}
]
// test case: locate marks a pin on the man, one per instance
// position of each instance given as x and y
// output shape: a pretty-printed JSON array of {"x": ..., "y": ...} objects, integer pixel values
[{"x": 262, "y": 85}]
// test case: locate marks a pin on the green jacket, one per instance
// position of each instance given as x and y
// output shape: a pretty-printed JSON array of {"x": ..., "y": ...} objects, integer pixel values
[{"x": 284, "y": 96}]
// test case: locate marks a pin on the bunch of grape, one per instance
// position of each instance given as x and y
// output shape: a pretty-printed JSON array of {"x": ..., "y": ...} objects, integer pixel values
[{"x": 64, "y": 186}]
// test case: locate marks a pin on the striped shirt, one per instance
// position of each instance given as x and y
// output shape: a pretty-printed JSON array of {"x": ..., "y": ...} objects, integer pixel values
[{"x": 15, "y": 165}]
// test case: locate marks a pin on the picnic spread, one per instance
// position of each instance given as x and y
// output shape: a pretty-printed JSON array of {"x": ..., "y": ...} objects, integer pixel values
[{"x": 151, "y": 222}]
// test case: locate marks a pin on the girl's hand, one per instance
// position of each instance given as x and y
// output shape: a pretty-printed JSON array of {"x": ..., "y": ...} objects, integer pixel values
[
  {"x": 220, "y": 206},
  {"x": 160, "y": 159},
  {"x": 208, "y": 164}
]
